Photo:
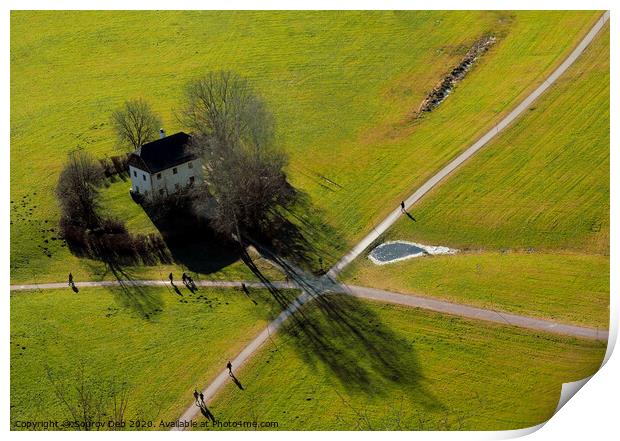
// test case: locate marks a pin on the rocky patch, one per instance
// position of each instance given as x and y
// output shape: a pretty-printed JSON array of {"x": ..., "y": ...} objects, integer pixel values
[{"x": 447, "y": 84}]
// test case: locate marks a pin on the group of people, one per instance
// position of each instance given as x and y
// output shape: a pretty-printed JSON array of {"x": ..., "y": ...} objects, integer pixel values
[
  {"x": 200, "y": 402},
  {"x": 187, "y": 281},
  {"x": 199, "y": 397}
]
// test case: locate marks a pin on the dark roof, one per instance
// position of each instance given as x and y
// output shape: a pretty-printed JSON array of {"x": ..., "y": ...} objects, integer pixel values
[{"x": 164, "y": 153}]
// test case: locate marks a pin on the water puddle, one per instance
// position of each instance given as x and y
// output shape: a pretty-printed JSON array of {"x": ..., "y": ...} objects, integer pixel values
[{"x": 398, "y": 250}]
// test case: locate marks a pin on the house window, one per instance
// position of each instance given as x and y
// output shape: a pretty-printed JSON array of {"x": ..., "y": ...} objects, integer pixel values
[
  {"x": 161, "y": 192},
  {"x": 174, "y": 171},
  {"x": 177, "y": 186},
  {"x": 190, "y": 165},
  {"x": 135, "y": 174},
  {"x": 158, "y": 175},
  {"x": 144, "y": 177},
  {"x": 191, "y": 180}
]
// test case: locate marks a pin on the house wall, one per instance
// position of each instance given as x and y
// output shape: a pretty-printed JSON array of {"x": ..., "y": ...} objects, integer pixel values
[
  {"x": 140, "y": 181},
  {"x": 168, "y": 180}
]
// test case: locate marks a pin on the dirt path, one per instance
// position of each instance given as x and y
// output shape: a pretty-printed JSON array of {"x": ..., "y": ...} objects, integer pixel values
[
  {"x": 324, "y": 286},
  {"x": 311, "y": 286},
  {"x": 437, "y": 305},
  {"x": 494, "y": 131},
  {"x": 488, "y": 315}
]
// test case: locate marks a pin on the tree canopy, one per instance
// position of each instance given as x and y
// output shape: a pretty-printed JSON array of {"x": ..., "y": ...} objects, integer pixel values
[
  {"x": 234, "y": 133},
  {"x": 135, "y": 124}
]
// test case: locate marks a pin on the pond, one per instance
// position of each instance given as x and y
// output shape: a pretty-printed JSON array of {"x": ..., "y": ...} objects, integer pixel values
[{"x": 395, "y": 251}]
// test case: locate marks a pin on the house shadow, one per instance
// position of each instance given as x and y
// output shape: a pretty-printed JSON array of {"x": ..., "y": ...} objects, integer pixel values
[{"x": 191, "y": 241}]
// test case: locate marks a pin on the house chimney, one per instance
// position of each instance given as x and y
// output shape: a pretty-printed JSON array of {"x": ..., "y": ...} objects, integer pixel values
[{"x": 162, "y": 134}]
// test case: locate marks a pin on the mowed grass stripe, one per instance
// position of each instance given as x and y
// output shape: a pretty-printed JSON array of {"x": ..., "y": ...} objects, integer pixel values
[
  {"x": 544, "y": 183},
  {"x": 342, "y": 97}
]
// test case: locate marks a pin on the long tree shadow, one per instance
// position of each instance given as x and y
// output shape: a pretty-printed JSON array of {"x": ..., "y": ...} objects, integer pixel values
[
  {"x": 299, "y": 233},
  {"x": 282, "y": 297},
  {"x": 348, "y": 338},
  {"x": 338, "y": 331},
  {"x": 103, "y": 247},
  {"x": 147, "y": 304}
]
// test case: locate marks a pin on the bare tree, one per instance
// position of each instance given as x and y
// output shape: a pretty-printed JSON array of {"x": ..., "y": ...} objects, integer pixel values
[
  {"x": 234, "y": 135},
  {"x": 77, "y": 189},
  {"x": 135, "y": 124},
  {"x": 89, "y": 402},
  {"x": 223, "y": 106},
  {"x": 119, "y": 397}
]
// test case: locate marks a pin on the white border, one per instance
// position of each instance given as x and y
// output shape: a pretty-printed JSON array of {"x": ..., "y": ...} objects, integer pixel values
[{"x": 592, "y": 415}]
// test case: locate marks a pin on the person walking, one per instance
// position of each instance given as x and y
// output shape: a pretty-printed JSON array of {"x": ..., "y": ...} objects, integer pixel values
[
  {"x": 402, "y": 206},
  {"x": 70, "y": 279},
  {"x": 229, "y": 366},
  {"x": 184, "y": 277},
  {"x": 196, "y": 396},
  {"x": 202, "y": 398},
  {"x": 171, "y": 277}
]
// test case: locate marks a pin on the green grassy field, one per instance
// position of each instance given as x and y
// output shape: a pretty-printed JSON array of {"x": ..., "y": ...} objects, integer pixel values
[
  {"x": 409, "y": 369},
  {"x": 544, "y": 183},
  {"x": 571, "y": 288},
  {"x": 114, "y": 201},
  {"x": 342, "y": 86},
  {"x": 158, "y": 342}
]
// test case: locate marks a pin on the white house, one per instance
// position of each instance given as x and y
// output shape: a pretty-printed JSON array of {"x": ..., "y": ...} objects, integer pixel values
[{"x": 163, "y": 167}]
